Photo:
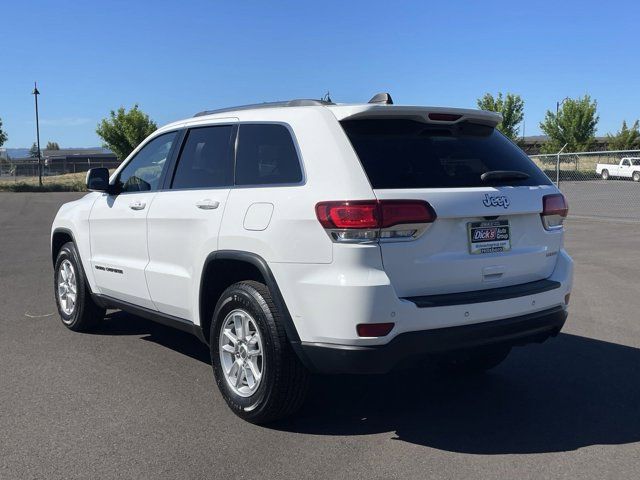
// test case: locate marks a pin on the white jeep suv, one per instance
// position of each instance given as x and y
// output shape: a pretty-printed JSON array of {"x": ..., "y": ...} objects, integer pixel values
[{"x": 311, "y": 237}]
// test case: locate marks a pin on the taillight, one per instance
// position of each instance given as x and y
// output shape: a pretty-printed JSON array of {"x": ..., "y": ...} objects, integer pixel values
[
  {"x": 554, "y": 211},
  {"x": 369, "y": 220}
]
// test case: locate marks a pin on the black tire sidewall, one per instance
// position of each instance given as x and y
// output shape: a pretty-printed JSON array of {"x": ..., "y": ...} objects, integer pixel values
[
  {"x": 69, "y": 252},
  {"x": 246, "y": 298}
]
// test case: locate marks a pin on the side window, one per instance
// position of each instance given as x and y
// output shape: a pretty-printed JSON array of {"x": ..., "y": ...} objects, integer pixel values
[
  {"x": 266, "y": 156},
  {"x": 626, "y": 163},
  {"x": 206, "y": 159},
  {"x": 144, "y": 170}
]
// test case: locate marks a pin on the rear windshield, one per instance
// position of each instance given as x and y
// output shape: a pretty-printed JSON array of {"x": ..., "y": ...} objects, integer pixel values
[{"x": 404, "y": 153}]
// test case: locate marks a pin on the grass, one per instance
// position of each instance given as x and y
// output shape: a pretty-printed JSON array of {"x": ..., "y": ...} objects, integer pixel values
[{"x": 70, "y": 182}]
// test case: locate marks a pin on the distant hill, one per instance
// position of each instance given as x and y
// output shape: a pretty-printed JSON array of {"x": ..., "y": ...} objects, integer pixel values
[{"x": 17, "y": 152}]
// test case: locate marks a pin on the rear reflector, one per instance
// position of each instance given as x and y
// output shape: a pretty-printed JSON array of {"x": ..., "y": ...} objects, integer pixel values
[
  {"x": 374, "y": 329},
  {"x": 444, "y": 117},
  {"x": 554, "y": 211}
]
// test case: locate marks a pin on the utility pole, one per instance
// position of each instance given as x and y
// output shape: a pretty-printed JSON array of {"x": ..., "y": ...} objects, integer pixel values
[{"x": 35, "y": 94}]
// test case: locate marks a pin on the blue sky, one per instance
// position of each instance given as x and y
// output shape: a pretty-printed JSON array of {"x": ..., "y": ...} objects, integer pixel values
[{"x": 176, "y": 58}]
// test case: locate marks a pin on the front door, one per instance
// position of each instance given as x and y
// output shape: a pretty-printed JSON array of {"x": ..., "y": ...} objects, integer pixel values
[
  {"x": 118, "y": 224},
  {"x": 184, "y": 220}
]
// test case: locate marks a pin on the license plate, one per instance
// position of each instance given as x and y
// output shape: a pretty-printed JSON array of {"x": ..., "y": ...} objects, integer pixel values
[{"x": 489, "y": 237}]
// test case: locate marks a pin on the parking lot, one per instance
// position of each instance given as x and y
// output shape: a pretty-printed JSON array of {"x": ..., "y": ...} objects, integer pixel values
[
  {"x": 137, "y": 400},
  {"x": 619, "y": 199}
]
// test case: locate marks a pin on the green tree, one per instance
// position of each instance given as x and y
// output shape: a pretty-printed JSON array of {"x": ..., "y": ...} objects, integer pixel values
[
  {"x": 626, "y": 138},
  {"x": 123, "y": 131},
  {"x": 511, "y": 107},
  {"x": 575, "y": 124},
  {"x": 3, "y": 135},
  {"x": 52, "y": 146},
  {"x": 33, "y": 151}
]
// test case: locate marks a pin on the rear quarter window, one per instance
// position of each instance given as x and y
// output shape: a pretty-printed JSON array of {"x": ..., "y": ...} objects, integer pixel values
[
  {"x": 266, "y": 155},
  {"x": 401, "y": 153}
]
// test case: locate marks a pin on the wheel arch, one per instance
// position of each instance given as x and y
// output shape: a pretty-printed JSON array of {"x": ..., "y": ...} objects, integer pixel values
[
  {"x": 59, "y": 237},
  {"x": 222, "y": 269}
]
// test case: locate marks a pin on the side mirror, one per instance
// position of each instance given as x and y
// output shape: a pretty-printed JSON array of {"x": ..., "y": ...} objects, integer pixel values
[{"x": 98, "y": 180}]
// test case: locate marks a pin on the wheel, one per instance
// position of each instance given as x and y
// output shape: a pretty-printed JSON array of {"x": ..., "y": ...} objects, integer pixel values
[
  {"x": 605, "y": 174},
  {"x": 475, "y": 361},
  {"x": 636, "y": 176},
  {"x": 255, "y": 367},
  {"x": 77, "y": 309}
]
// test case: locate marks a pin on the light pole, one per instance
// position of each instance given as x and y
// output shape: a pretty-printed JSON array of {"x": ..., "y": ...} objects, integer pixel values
[
  {"x": 558, "y": 105},
  {"x": 35, "y": 94}
]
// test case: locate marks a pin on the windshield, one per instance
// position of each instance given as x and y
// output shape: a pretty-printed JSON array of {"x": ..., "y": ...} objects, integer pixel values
[{"x": 401, "y": 153}]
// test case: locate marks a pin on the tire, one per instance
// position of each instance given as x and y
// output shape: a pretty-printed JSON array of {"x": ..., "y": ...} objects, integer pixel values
[
  {"x": 605, "y": 174},
  {"x": 474, "y": 362},
  {"x": 636, "y": 176},
  {"x": 281, "y": 386},
  {"x": 77, "y": 310}
]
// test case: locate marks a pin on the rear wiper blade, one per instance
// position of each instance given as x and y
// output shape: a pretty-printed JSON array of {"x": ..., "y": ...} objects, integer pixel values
[{"x": 494, "y": 175}]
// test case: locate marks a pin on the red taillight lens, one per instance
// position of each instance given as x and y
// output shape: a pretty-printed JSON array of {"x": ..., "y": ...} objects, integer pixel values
[
  {"x": 373, "y": 213},
  {"x": 374, "y": 329},
  {"x": 555, "y": 204},
  {"x": 359, "y": 214},
  {"x": 554, "y": 211},
  {"x": 397, "y": 212}
]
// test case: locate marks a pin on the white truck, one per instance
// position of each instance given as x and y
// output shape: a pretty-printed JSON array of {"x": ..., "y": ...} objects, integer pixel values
[{"x": 629, "y": 167}]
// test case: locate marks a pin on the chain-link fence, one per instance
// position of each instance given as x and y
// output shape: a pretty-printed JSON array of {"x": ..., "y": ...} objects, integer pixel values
[
  {"x": 597, "y": 184},
  {"x": 18, "y": 171}
]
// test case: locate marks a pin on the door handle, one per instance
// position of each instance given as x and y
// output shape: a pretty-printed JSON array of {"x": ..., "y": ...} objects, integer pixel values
[
  {"x": 137, "y": 205},
  {"x": 207, "y": 204}
]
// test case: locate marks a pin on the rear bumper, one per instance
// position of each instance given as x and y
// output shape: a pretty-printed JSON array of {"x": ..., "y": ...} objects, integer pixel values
[{"x": 520, "y": 330}]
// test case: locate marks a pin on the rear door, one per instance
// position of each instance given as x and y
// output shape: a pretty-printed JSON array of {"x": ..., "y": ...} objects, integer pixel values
[
  {"x": 184, "y": 219},
  {"x": 487, "y": 234}
]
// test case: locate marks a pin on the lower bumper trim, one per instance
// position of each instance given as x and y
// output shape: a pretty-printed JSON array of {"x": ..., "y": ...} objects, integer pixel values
[{"x": 521, "y": 330}]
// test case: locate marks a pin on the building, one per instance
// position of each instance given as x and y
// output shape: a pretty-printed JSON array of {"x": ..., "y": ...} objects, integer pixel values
[
  {"x": 74, "y": 160},
  {"x": 533, "y": 144}
]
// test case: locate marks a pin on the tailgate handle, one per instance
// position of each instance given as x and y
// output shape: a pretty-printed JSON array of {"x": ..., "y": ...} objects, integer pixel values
[{"x": 493, "y": 273}]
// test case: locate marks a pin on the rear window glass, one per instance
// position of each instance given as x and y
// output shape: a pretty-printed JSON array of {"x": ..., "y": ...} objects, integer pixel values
[
  {"x": 206, "y": 160},
  {"x": 266, "y": 156},
  {"x": 404, "y": 153}
]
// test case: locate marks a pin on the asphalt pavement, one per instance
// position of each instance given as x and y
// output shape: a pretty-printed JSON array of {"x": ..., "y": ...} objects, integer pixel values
[
  {"x": 137, "y": 400},
  {"x": 606, "y": 199}
]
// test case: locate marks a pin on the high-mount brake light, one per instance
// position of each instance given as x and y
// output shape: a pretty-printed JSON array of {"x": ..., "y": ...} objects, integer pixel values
[
  {"x": 444, "y": 117},
  {"x": 554, "y": 211},
  {"x": 370, "y": 220}
]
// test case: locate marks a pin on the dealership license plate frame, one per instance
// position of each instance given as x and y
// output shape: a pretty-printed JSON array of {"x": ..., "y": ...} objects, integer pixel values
[{"x": 499, "y": 244}]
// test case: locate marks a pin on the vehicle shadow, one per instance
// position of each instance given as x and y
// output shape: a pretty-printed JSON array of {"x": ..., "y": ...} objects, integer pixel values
[
  {"x": 121, "y": 323},
  {"x": 567, "y": 393}
]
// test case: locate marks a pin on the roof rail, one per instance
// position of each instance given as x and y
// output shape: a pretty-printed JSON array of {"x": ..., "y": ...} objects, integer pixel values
[{"x": 302, "y": 102}]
